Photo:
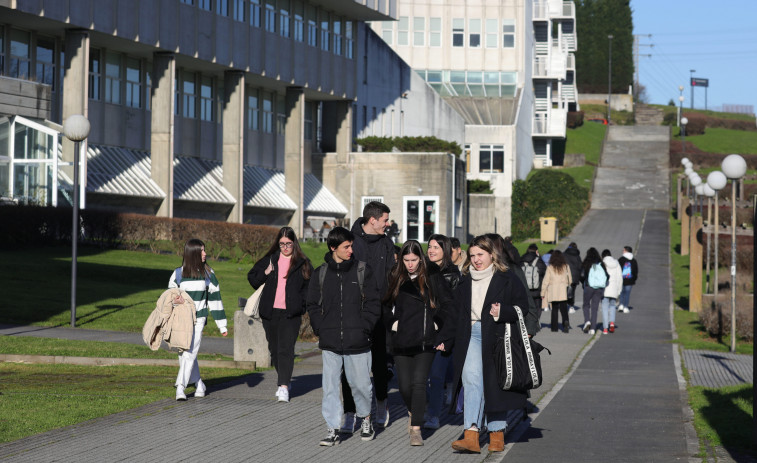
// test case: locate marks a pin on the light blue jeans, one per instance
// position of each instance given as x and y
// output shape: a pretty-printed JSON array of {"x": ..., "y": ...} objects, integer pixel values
[
  {"x": 436, "y": 384},
  {"x": 473, "y": 395},
  {"x": 357, "y": 368},
  {"x": 625, "y": 295},
  {"x": 609, "y": 307}
]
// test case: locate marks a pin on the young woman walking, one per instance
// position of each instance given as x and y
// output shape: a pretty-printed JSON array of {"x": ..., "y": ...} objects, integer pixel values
[
  {"x": 286, "y": 271},
  {"x": 554, "y": 289},
  {"x": 199, "y": 281},
  {"x": 594, "y": 279},
  {"x": 612, "y": 291},
  {"x": 415, "y": 307}
]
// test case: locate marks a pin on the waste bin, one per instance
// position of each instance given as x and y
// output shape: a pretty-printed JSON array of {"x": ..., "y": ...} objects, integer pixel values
[{"x": 548, "y": 229}]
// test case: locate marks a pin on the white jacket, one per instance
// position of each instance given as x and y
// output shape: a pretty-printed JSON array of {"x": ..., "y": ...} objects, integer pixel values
[{"x": 615, "y": 284}]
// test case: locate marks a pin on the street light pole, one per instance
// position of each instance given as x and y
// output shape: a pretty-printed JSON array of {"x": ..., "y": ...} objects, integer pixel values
[
  {"x": 717, "y": 181},
  {"x": 609, "y": 79},
  {"x": 684, "y": 121},
  {"x": 734, "y": 167},
  {"x": 680, "y": 106},
  {"x": 691, "y": 76}
]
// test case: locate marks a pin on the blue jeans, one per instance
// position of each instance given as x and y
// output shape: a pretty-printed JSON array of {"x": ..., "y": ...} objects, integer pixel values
[
  {"x": 357, "y": 368},
  {"x": 436, "y": 381},
  {"x": 473, "y": 395},
  {"x": 609, "y": 306},
  {"x": 625, "y": 295}
]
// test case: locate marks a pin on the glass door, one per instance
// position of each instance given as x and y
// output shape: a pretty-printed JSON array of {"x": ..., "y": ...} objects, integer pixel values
[{"x": 420, "y": 217}]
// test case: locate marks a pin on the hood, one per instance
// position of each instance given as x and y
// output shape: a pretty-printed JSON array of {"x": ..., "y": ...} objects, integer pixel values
[
  {"x": 628, "y": 255},
  {"x": 572, "y": 252},
  {"x": 610, "y": 262},
  {"x": 357, "y": 230}
]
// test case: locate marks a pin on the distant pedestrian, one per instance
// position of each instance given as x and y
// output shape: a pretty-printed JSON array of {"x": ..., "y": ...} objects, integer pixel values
[
  {"x": 545, "y": 257},
  {"x": 612, "y": 291},
  {"x": 573, "y": 258},
  {"x": 534, "y": 269},
  {"x": 344, "y": 307},
  {"x": 392, "y": 230},
  {"x": 458, "y": 255},
  {"x": 285, "y": 271},
  {"x": 554, "y": 289},
  {"x": 199, "y": 281},
  {"x": 630, "y": 271},
  {"x": 594, "y": 279}
]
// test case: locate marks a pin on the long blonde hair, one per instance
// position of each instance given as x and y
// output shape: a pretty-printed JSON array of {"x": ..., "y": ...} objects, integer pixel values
[{"x": 488, "y": 245}]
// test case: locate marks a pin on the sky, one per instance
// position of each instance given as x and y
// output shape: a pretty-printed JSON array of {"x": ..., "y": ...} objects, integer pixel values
[{"x": 717, "y": 38}]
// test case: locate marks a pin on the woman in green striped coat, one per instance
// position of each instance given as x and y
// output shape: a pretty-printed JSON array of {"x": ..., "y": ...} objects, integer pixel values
[{"x": 199, "y": 281}]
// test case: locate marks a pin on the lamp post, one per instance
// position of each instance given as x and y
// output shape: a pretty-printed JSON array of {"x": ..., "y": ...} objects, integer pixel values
[
  {"x": 709, "y": 192},
  {"x": 680, "y": 110},
  {"x": 695, "y": 181},
  {"x": 75, "y": 128},
  {"x": 609, "y": 79},
  {"x": 684, "y": 121},
  {"x": 717, "y": 181},
  {"x": 734, "y": 167},
  {"x": 691, "y": 76}
]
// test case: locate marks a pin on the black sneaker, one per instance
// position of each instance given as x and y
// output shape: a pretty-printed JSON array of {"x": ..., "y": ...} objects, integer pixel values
[
  {"x": 366, "y": 429},
  {"x": 332, "y": 438}
]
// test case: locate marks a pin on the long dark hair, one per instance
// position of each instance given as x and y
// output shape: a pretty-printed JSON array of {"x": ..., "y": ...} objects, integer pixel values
[
  {"x": 399, "y": 275},
  {"x": 591, "y": 258},
  {"x": 446, "y": 246},
  {"x": 557, "y": 260},
  {"x": 192, "y": 265},
  {"x": 297, "y": 254}
]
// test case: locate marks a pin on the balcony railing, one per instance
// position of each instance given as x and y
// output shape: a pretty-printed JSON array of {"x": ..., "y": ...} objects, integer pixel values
[
  {"x": 544, "y": 10},
  {"x": 550, "y": 123}
]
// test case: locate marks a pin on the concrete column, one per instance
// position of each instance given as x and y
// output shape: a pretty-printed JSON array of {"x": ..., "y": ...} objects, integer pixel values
[
  {"x": 343, "y": 130},
  {"x": 233, "y": 141},
  {"x": 685, "y": 224},
  {"x": 75, "y": 89},
  {"x": 294, "y": 154},
  {"x": 695, "y": 265},
  {"x": 162, "y": 127}
]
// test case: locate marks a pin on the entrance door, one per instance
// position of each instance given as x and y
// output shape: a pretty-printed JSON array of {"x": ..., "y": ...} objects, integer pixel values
[{"x": 420, "y": 218}]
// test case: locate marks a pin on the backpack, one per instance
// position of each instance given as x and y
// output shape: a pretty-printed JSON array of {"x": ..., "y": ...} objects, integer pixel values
[
  {"x": 360, "y": 280},
  {"x": 532, "y": 274},
  {"x": 597, "y": 277},
  {"x": 627, "y": 273}
]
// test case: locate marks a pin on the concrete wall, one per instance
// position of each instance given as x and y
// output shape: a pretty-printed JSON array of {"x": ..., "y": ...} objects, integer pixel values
[
  {"x": 24, "y": 98},
  {"x": 481, "y": 219},
  {"x": 620, "y": 101}
]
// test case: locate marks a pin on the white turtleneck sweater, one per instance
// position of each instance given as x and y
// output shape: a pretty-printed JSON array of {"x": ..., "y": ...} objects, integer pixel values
[{"x": 479, "y": 286}]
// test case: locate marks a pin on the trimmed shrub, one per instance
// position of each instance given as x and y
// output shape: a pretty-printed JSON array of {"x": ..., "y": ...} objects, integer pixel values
[
  {"x": 479, "y": 186},
  {"x": 376, "y": 144},
  {"x": 732, "y": 124},
  {"x": 575, "y": 119},
  {"x": 408, "y": 144},
  {"x": 669, "y": 119},
  {"x": 696, "y": 125},
  {"x": 716, "y": 318}
]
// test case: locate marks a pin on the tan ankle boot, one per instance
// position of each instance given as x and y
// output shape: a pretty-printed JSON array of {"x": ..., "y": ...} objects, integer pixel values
[
  {"x": 415, "y": 437},
  {"x": 497, "y": 441},
  {"x": 469, "y": 442}
]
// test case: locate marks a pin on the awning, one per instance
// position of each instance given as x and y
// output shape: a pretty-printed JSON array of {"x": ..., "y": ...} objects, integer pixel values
[{"x": 200, "y": 180}]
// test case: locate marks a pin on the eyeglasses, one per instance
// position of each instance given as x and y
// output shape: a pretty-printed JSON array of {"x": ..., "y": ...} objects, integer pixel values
[{"x": 285, "y": 245}]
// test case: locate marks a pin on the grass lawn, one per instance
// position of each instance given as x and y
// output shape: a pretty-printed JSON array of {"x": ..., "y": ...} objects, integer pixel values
[
  {"x": 723, "y": 417},
  {"x": 599, "y": 111},
  {"x": 719, "y": 140},
  {"x": 38, "y": 398},
  {"x": 739, "y": 117}
]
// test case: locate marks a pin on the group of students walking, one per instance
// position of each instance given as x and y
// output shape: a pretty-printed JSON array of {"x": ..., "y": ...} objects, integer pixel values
[{"x": 439, "y": 314}]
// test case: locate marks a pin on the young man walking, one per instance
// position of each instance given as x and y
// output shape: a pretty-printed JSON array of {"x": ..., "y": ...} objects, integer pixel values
[
  {"x": 344, "y": 307},
  {"x": 458, "y": 256},
  {"x": 630, "y": 270}
]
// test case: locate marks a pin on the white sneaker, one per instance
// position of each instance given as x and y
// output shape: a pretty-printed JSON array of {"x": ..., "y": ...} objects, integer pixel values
[
  {"x": 546, "y": 309},
  {"x": 625, "y": 310},
  {"x": 620, "y": 307},
  {"x": 284, "y": 394},
  {"x": 591, "y": 332},
  {"x": 348, "y": 423},
  {"x": 180, "y": 393},
  {"x": 278, "y": 392},
  {"x": 571, "y": 310},
  {"x": 382, "y": 414},
  {"x": 200, "y": 389},
  {"x": 586, "y": 327},
  {"x": 432, "y": 423}
]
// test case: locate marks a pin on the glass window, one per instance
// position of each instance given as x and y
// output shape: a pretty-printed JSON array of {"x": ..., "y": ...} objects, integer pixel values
[
  {"x": 188, "y": 2},
  {"x": 312, "y": 17},
  {"x": 325, "y": 32},
  {"x": 284, "y": 22},
  {"x": 350, "y": 38},
  {"x": 95, "y": 69},
  {"x": 222, "y": 7},
  {"x": 255, "y": 13},
  {"x": 281, "y": 117},
  {"x": 491, "y": 33},
  {"x": 113, "y": 78},
  {"x": 387, "y": 31},
  {"x": 189, "y": 94},
  {"x": 267, "y": 113},
  {"x": 402, "y": 31},
  {"x": 491, "y": 158},
  {"x": 239, "y": 10},
  {"x": 205, "y": 5},
  {"x": 419, "y": 31},
  {"x": 46, "y": 62},
  {"x": 20, "y": 54},
  {"x": 206, "y": 99},
  {"x": 458, "y": 32},
  {"x": 508, "y": 33},
  {"x": 253, "y": 110},
  {"x": 270, "y": 17},
  {"x": 299, "y": 27},
  {"x": 309, "y": 120},
  {"x": 435, "y": 36},
  {"x": 337, "y": 37},
  {"x": 133, "y": 83},
  {"x": 474, "y": 33},
  {"x": 148, "y": 87}
]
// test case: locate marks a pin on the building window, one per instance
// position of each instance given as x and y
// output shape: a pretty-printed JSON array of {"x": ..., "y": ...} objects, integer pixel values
[
  {"x": 312, "y": 17},
  {"x": 189, "y": 94},
  {"x": 46, "y": 62},
  {"x": 508, "y": 33},
  {"x": 206, "y": 99},
  {"x": 113, "y": 78},
  {"x": 387, "y": 31},
  {"x": 308, "y": 120},
  {"x": 458, "y": 32},
  {"x": 270, "y": 17},
  {"x": 474, "y": 33},
  {"x": 133, "y": 83},
  {"x": 325, "y": 33},
  {"x": 435, "y": 34},
  {"x": 299, "y": 27},
  {"x": 284, "y": 22},
  {"x": 20, "y": 59},
  {"x": 281, "y": 117},
  {"x": 188, "y": 2},
  {"x": 222, "y": 7},
  {"x": 267, "y": 113},
  {"x": 148, "y": 88},
  {"x": 239, "y": 10},
  {"x": 253, "y": 111},
  {"x": 205, "y": 5},
  {"x": 491, "y": 33},
  {"x": 255, "y": 13},
  {"x": 419, "y": 31},
  {"x": 402, "y": 31},
  {"x": 337, "y": 37},
  {"x": 491, "y": 159},
  {"x": 176, "y": 95},
  {"x": 350, "y": 39},
  {"x": 466, "y": 151},
  {"x": 95, "y": 69}
]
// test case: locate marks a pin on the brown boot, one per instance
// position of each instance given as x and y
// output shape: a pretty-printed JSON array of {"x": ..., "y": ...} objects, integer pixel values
[
  {"x": 469, "y": 442},
  {"x": 415, "y": 437},
  {"x": 497, "y": 441}
]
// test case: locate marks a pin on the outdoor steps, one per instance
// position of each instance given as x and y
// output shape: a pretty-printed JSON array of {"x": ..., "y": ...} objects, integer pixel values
[{"x": 648, "y": 115}]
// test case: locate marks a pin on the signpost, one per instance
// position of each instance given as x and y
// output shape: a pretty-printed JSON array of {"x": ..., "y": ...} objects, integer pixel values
[{"x": 700, "y": 82}]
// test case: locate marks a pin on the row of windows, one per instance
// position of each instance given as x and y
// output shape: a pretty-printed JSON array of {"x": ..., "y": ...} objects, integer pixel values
[
  {"x": 291, "y": 19},
  {"x": 471, "y": 83},
  {"x": 260, "y": 112},
  {"x": 27, "y": 58},
  {"x": 491, "y": 33},
  {"x": 491, "y": 158}
]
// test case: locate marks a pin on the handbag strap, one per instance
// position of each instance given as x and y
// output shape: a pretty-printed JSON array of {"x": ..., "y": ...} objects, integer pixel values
[{"x": 526, "y": 345}]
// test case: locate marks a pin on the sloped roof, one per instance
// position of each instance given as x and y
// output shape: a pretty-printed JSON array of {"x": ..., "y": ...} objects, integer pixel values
[{"x": 265, "y": 188}]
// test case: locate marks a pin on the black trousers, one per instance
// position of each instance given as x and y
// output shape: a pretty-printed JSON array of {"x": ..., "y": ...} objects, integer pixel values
[
  {"x": 562, "y": 306},
  {"x": 412, "y": 376},
  {"x": 281, "y": 334},
  {"x": 378, "y": 368}
]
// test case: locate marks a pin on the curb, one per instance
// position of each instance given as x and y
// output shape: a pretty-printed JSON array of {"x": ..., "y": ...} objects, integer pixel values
[{"x": 108, "y": 361}]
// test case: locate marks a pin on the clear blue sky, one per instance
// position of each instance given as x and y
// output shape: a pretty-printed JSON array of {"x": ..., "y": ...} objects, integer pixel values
[{"x": 716, "y": 38}]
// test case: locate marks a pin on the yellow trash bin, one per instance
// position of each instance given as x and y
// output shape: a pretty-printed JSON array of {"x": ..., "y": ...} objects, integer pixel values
[{"x": 549, "y": 233}]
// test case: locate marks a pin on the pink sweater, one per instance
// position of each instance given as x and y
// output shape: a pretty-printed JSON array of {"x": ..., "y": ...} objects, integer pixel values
[{"x": 279, "y": 302}]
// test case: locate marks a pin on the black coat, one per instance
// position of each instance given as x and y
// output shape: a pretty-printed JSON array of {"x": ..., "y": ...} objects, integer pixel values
[
  {"x": 573, "y": 258},
  {"x": 345, "y": 319},
  {"x": 541, "y": 267},
  {"x": 377, "y": 250},
  {"x": 452, "y": 276},
  {"x": 506, "y": 289},
  {"x": 296, "y": 286},
  {"x": 634, "y": 271}
]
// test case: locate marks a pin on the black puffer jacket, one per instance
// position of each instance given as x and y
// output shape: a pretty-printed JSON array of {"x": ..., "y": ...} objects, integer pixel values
[
  {"x": 573, "y": 258},
  {"x": 378, "y": 250},
  {"x": 345, "y": 319},
  {"x": 296, "y": 286}
]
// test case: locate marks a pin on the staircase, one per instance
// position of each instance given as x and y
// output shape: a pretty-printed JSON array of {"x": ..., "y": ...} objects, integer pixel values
[{"x": 648, "y": 115}]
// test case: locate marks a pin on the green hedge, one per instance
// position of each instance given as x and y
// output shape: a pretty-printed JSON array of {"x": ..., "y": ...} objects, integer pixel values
[
  {"x": 547, "y": 193},
  {"x": 408, "y": 144}
]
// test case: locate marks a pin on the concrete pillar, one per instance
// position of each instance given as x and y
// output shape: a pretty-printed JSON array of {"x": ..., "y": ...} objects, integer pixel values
[
  {"x": 233, "y": 141},
  {"x": 343, "y": 130},
  {"x": 685, "y": 224},
  {"x": 75, "y": 89},
  {"x": 162, "y": 127},
  {"x": 249, "y": 341},
  {"x": 695, "y": 265},
  {"x": 294, "y": 154}
]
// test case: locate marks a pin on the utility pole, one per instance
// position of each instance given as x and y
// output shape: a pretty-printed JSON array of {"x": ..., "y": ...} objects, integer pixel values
[{"x": 636, "y": 44}]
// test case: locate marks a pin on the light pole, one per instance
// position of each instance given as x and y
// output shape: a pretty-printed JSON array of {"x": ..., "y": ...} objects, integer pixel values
[
  {"x": 75, "y": 128},
  {"x": 734, "y": 167},
  {"x": 609, "y": 80},
  {"x": 691, "y": 77},
  {"x": 680, "y": 110},
  {"x": 684, "y": 121},
  {"x": 709, "y": 192},
  {"x": 717, "y": 181},
  {"x": 695, "y": 181}
]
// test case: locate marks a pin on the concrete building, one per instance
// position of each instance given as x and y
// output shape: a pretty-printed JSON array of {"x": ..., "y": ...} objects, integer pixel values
[{"x": 506, "y": 66}]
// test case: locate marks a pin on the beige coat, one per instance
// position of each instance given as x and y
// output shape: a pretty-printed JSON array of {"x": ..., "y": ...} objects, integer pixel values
[
  {"x": 554, "y": 287},
  {"x": 172, "y": 321}
]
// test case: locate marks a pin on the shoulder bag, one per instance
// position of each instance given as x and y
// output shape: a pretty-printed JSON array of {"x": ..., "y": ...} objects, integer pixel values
[
  {"x": 252, "y": 307},
  {"x": 517, "y": 359}
]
